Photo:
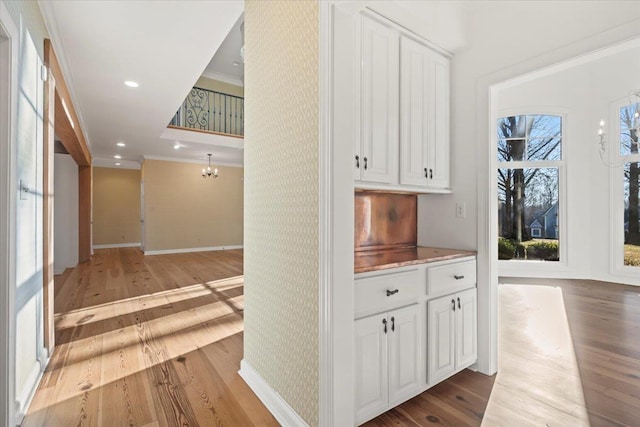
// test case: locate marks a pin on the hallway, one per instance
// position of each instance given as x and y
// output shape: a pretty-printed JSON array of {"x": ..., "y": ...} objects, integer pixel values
[{"x": 153, "y": 340}]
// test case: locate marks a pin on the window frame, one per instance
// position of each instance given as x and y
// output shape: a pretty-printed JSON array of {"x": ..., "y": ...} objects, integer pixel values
[
  {"x": 524, "y": 268},
  {"x": 616, "y": 198}
]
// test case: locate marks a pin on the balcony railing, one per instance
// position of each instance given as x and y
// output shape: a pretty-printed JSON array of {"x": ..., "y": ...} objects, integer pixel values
[{"x": 211, "y": 111}]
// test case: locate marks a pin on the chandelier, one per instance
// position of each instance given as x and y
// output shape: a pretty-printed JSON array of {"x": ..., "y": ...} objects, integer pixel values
[{"x": 208, "y": 172}]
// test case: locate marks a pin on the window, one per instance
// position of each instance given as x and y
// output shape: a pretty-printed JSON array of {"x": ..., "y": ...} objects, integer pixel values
[
  {"x": 530, "y": 164},
  {"x": 629, "y": 133}
]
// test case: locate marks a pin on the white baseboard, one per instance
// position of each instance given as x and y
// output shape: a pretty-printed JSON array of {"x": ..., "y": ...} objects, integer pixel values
[
  {"x": 186, "y": 250},
  {"x": 118, "y": 245},
  {"x": 24, "y": 401},
  {"x": 278, "y": 407}
]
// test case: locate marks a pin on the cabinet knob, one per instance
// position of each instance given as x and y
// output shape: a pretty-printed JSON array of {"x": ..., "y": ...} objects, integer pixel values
[
  {"x": 393, "y": 323},
  {"x": 384, "y": 322},
  {"x": 426, "y": 174},
  {"x": 430, "y": 173},
  {"x": 357, "y": 161},
  {"x": 459, "y": 303},
  {"x": 391, "y": 292},
  {"x": 458, "y": 277},
  {"x": 453, "y": 304},
  {"x": 365, "y": 163}
]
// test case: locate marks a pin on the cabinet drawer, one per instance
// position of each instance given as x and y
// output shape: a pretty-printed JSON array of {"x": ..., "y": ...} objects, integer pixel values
[
  {"x": 371, "y": 294},
  {"x": 451, "y": 278}
]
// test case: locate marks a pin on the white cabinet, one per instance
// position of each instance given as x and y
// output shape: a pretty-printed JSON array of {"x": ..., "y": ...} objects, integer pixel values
[
  {"x": 402, "y": 109},
  {"x": 376, "y": 152},
  {"x": 452, "y": 334},
  {"x": 424, "y": 112},
  {"x": 387, "y": 360}
]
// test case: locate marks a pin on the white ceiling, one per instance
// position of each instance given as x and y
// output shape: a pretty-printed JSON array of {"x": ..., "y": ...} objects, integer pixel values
[
  {"x": 226, "y": 64},
  {"x": 165, "y": 46}
]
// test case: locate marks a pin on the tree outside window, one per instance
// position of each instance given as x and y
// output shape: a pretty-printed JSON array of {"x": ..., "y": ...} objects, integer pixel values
[
  {"x": 629, "y": 132},
  {"x": 529, "y": 163}
]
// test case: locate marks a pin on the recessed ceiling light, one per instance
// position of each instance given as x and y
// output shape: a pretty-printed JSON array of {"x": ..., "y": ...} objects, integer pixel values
[
  {"x": 117, "y": 156},
  {"x": 177, "y": 146},
  {"x": 121, "y": 144},
  {"x": 117, "y": 164},
  {"x": 131, "y": 83}
]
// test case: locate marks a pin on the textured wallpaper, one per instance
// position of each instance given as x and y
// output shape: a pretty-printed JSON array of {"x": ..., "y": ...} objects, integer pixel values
[{"x": 281, "y": 198}]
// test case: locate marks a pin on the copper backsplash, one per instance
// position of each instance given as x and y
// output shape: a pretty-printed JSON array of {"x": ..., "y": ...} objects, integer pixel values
[{"x": 385, "y": 220}]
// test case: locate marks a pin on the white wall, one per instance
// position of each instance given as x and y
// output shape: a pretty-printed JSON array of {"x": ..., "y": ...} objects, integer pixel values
[
  {"x": 585, "y": 92},
  {"x": 505, "y": 40},
  {"x": 65, "y": 213}
]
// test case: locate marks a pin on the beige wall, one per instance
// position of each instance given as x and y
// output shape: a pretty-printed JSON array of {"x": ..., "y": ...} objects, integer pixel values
[
  {"x": 116, "y": 206},
  {"x": 184, "y": 210},
  {"x": 219, "y": 86},
  {"x": 281, "y": 184}
]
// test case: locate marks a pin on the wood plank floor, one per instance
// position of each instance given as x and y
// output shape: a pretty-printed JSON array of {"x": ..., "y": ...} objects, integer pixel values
[
  {"x": 148, "y": 341},
  {"x": 157, "y": 341},
  {"x": 569, "y": 355}
]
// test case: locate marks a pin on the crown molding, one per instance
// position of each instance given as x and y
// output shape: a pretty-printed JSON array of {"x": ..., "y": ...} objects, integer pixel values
[
  {"x": 197, "y": 161},
  {"x": 109, "y": 162},
  {"x": 225, "y": 78}
]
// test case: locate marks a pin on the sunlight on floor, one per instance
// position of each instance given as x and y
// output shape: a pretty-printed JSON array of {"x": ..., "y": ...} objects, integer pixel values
[
  {"x": 538, "y": 381},
  {"x": 99, "y": 312}
]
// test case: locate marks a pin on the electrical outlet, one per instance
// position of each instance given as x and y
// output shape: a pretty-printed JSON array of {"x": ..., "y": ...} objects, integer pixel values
[{"x": 461, "y": 210}]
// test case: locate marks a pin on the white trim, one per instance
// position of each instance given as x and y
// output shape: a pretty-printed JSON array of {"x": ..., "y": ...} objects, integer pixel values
[
  {"x": 401, "y": 188},
  {"x": 36, "y": 373},
  {"x": 105, "y": 162},
  {"x": 181, "y": 134},
  {"x": 187, "y": 250},
  {"x": 224, "y": 78},
  {"x": 338, "y": 125},
  {"x": 117, "y": 245},
  {"x": 278, "y": 407},
  {"x": 325, "y": 265},
  {"x": 8, "y": 220},
  {"x": 51, "y": 22},
  {"x": 198, "y": 161}
]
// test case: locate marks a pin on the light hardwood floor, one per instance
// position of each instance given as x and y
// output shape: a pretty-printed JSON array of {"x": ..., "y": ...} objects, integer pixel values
[
  {"x": 157, "y": 341},
  {"x": 148, "y": 341}
]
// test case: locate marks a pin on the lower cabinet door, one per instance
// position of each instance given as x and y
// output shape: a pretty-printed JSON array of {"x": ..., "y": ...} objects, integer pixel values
[
  {"x": 404, "y": 354},
  {"x": 371, "y": 366},
  {"x": 441, "y": 327},
  {"x": 466, "y": 328}
]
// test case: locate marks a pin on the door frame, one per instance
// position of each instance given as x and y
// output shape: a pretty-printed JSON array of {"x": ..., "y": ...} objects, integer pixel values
[{"x": 9, "y": 37}]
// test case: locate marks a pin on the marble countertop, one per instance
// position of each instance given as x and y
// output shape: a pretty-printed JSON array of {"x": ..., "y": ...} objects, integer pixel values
[{"x": 390, "y": 258}]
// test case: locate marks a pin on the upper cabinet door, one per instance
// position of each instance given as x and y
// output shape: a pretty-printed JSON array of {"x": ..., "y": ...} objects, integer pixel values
[
  {"x": 415, "y": 94},
  {"x": 424, "y": 112},
  {"x": 438, "y": 147},
  {"x": 379, "y": 102}
]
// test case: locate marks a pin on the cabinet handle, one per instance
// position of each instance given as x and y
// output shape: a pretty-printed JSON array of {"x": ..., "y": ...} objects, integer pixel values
[
  {"x": 458, "y": 277},
  {"x": 392, "y": 292},
  {"x": 430, "y": 173},
  {"x": 453, "y": 304},
  {"x": 365, "y": 163},
  {"x": 384, "y": 322},
  {"x": 426, "y": 174},
  {"x": 459, "y": 303},
  {"x": 357, "y": 161},
  {"x": 393, "y": 324}
]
